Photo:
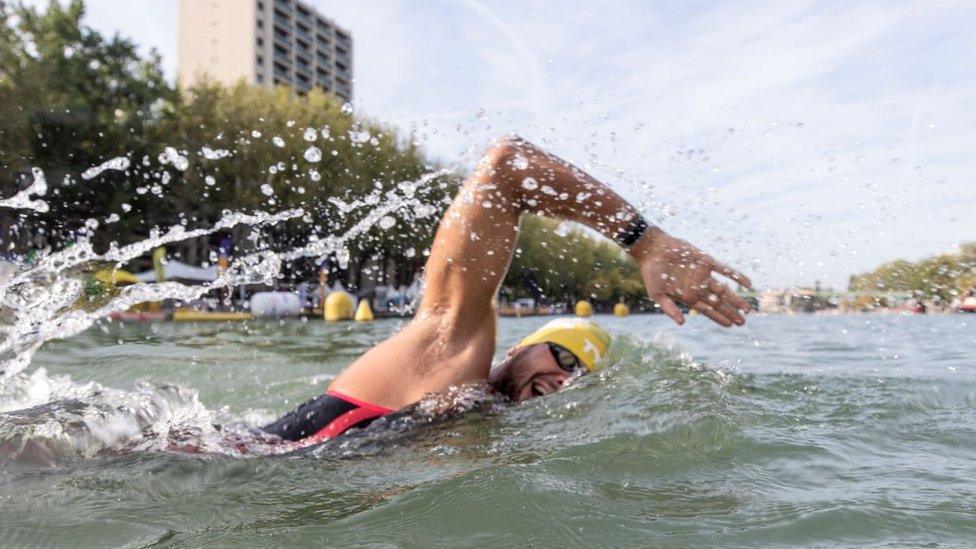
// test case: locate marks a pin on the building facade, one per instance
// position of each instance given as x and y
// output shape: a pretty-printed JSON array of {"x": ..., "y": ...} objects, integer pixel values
[{"x": 265, "y": 42}]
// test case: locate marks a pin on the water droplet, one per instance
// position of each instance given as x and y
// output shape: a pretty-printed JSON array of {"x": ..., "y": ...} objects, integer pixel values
[
  {"x": 358, "y": 136},
  {"x": 347, "y": 108},
  {"x": 310, "y": 135},
  {"x": 119, "y": 163},
  {"x": 314, "y": 175},
  {"x": 267, "y": 189},
  {"x": 172, "y": 156},
  {"x": 255, "y": 134},
  {"x": 278, "y": 141},
  {"x": 530, "y": 184},
  {"x": 520, "y": 162},
  {"x": 387, "y": 222},
  {"x": 210, "y": 154},
  {"x": 210, "y": 180},
  {"x": 313, "y": 154}
]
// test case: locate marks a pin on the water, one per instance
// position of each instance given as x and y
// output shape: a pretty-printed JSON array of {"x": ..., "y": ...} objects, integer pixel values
[{"x": 854, "y": 430}]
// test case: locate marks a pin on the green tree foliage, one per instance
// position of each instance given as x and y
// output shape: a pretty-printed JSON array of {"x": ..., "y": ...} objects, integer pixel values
[
  {"x": 939, "y": 278},
  {"x": 253, "y": 148},
  {"x": 70, "y": 99},
  {"x": 553, "y": 264}
]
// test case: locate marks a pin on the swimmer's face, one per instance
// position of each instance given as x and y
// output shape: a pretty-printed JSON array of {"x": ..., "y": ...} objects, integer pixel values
[{"x": 529, "y": 372}]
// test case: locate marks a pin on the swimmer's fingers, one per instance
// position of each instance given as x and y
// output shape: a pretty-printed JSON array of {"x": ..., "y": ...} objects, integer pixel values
[
  {"x": 726, "y": 295},
  {"x": 724, "y": 307},
  {"x": 712, "y": 313},
  {"x": 669, "y": 307},
  {"x": 726, "y": 271}
]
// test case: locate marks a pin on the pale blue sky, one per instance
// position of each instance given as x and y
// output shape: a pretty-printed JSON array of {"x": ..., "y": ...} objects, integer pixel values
[{"x": 797, "y": 140}]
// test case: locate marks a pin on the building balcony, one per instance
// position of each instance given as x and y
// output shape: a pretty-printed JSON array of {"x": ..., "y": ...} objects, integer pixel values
[
  {"x": 283, "y": 60},
  {"x": 282, "y": 34},
  {"x": 283, "y": 19}
]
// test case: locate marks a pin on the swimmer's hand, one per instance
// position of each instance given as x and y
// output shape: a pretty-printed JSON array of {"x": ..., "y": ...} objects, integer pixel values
[{"x": 675, "y": 271}]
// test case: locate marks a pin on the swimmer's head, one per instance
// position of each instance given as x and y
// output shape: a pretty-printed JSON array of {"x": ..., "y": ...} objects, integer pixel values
[{"x": 550, "y": 357}]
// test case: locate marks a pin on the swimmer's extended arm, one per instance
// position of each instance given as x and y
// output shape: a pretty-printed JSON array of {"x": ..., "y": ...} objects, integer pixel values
[
  {"x": 452, "y": 337},
  {"x": 476, "y": 238}
]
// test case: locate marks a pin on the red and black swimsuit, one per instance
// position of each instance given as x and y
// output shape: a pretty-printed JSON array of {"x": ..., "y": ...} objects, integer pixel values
[{"x": 324, "y": 417}]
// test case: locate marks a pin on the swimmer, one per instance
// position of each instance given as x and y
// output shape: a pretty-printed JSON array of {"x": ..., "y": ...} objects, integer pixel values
[{"x": 451, "y": 339}]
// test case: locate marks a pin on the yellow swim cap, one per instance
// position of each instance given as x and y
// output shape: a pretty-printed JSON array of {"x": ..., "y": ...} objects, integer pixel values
[{"x": 583, "y": 338}]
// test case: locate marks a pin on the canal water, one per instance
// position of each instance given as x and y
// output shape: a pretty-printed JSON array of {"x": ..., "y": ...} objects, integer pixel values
[{"x": 805, "y": 430}]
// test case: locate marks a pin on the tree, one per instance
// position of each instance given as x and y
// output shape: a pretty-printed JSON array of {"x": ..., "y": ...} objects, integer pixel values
[
  {"x": 557, "y": 264},
  {"x": 71, "y": 100},
  {"x": 938, "y": 278},
  {"x": 252, "y": 148}
]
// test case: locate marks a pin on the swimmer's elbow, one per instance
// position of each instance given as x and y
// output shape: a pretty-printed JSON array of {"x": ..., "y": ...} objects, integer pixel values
[
  {"x": 503, "y": 150},
  {"x": 509, "y": 156}
]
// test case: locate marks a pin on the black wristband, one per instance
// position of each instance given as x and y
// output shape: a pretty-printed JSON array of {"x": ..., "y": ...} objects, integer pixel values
[{"x": 636, "y": 229}]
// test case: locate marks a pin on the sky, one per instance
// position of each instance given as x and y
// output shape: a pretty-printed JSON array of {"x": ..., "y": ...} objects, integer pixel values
[{"x": 797, "y": 140}]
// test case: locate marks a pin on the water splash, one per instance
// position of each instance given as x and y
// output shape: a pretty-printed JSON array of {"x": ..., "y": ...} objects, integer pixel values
[
  {"x": 44, "y": 299},
  {"x": 22, "y": 201},
  {"x": 119, "y": 163}
]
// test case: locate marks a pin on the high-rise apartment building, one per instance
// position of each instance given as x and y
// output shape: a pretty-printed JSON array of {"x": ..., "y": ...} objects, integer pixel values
[{"x": 265, "y": 42}]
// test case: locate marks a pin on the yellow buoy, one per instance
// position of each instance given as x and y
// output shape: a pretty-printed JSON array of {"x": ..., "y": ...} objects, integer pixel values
[
  {"x": 364, "y": 313},
  {"x": 621, "y": 309},
  {"x": 338, "y": 306},
  {"x": 583, "y": 308}
]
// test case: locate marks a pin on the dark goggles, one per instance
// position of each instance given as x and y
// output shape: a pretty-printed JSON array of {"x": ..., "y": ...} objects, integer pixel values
[{"x": 566, "y": 359}]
